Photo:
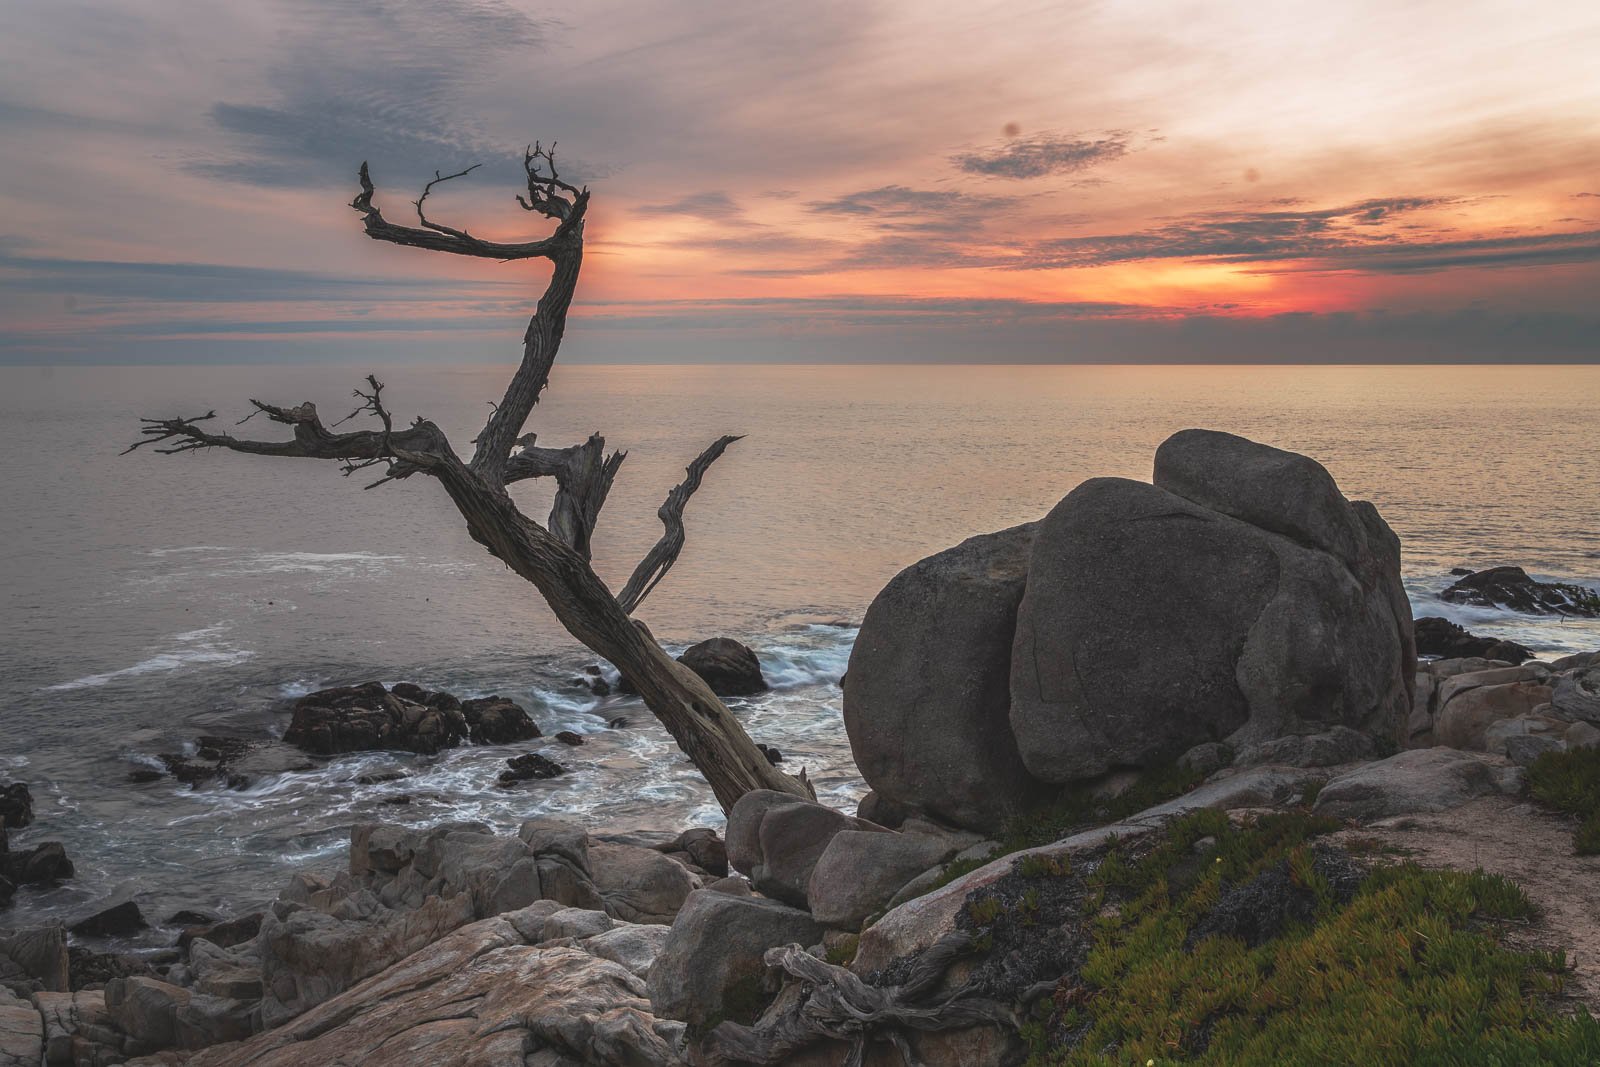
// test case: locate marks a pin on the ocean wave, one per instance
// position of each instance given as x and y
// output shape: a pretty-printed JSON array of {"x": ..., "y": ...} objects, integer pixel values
[{"x": 200, "y": 651}]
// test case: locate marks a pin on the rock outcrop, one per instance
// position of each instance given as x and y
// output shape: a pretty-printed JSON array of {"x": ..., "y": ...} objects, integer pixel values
[
  {"x": 1511, "y": 587},
  {"x": 1443, "y": 638},
  {"x": 777, "y": 838},
  {"x": 409, "y": 718},
  {"x": 1239, "y": 599}
]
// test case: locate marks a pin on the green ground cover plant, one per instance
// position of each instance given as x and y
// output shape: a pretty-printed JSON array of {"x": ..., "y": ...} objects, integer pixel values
[
  {"x": 1258, "y": 944},
  {"x": 1570, "y": 781}
]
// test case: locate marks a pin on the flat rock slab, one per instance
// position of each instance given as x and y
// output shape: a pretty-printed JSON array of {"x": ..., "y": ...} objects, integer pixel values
[
  {"x": 480, "y": 996},
  {"x": 1422, "y": 780}
]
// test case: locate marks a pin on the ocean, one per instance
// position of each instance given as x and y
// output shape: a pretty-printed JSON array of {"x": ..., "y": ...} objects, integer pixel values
[{"x": 152, "y": 599}]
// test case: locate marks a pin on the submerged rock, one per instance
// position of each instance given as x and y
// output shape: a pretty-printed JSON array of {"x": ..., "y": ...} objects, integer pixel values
[
  {"x": 16, "y": 806},
  {"x": 122, "y": 917},
  {"x": 1511, "y": 587},
  {"x": 528, "y": 767}
]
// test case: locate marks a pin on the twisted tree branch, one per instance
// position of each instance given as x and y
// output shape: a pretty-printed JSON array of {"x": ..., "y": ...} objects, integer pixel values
[{"x": 659, "y": 560}]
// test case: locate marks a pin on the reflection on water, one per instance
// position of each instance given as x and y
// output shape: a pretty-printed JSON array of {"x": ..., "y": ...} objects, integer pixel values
[{"x": 152, "y": 599}]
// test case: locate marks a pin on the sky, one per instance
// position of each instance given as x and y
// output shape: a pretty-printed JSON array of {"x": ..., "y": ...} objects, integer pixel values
[{"x": 915, "y": 180}]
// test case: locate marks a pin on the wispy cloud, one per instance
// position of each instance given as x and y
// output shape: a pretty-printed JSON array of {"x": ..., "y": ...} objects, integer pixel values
[
  {"x": 1042, "y": 155},
  {"x": 712, "y": 204}
]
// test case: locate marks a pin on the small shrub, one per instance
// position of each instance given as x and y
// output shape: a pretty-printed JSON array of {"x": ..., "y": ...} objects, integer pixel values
[{"x": 842, "y": 954}]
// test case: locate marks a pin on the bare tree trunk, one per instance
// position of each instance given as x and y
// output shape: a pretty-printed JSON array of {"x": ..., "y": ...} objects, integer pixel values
[{"x": 554, "y": 558}]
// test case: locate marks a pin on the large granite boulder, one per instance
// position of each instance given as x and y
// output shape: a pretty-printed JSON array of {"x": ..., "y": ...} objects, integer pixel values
[
  {"x": 364, "y": 717},
  {"x": 927, "y": 695},
  {"x": 777, "y": 838},
  {"x": 711, "y": 966},
  {"x": 1511, "y": 587},
  {"x": 861, "y": 871},
  {"x": 1241, "y": 597},
  {"x": 21, "y": 1032}
]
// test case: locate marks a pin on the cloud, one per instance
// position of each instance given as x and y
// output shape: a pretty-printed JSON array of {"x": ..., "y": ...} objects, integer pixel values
[
  {"x": 1040, "y": 156},
  {"x": 707, "y": 205},
  {"x": 381, "y": 80},
  {"x": 895, "y": 202}
]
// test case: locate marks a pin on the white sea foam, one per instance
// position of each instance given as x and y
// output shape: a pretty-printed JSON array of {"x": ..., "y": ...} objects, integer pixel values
[{"x": 200, "y": 649}]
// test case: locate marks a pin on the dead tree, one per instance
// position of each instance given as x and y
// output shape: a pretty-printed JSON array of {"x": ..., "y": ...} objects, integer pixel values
[{"x": 555, "y": 557}]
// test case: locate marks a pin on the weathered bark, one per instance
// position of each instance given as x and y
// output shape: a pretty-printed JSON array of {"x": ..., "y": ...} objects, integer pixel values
[
  {"x": 554, "y": 558},
  {"x": 836, "y": 1005}
]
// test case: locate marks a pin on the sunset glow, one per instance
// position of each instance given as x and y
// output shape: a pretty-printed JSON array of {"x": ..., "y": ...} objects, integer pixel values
[{"x": 175, "y": 188}]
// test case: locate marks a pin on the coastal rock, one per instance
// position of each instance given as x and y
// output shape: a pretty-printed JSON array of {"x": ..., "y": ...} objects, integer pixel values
[
  {"x": 530, "y": 766},
  {"x": 711, "y": 966},
  {"x": 1421, "y": 780},
  {"x": 1443, "y": 638},
  {"x": 43, "y": 864},
  {"x": 1576, "y": 660},
  {"x": 109, "y": 920},
  {"x": 927, "y": 693},
  {"x": 639, "y": 885},
  {"x": 776, "y": 839},
  {"x": 1523, "y": 749},
  {"x": 21, "y": 1032},
  {"x": 1576, "y": 694},
  {"x": 1336, "y": 746},
  {"x": 16, "y": 806},
  {"x": 1466, "y": 711},
  {"x": 308, "y": 956},
  {"x": 860, "y": 871},
  {"x": 1581, "y": 735},
  {"x": 703, "y": 847},
  {"x": 77, "y": 1030},
  {"x": 38, "y": 958},
  {"x": 635, "y": 946},
  {"x": 1511, "y": 587},
  {"x": 479, "y": 996},
  {"x": 366, "y": 717},
  {"x": 146, "y": 1010},
  {"x": 558, "y": 837},
  {"x": 1239, "y": 598},
  {"x": 728, "y": 667},
  {"x": 494, "y": 720}
]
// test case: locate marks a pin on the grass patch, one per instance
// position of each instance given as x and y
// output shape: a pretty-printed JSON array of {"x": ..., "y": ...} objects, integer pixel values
[
  {"x": 1570, "y": 781},
  {"x": 1078, "y": 809},
  {"x": 844, "y": 953},
  {"x": 1400, "y": 966}
]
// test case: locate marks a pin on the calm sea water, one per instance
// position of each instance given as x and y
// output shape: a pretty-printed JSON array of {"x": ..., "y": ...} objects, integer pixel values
[{"x": 150, "y": 599}]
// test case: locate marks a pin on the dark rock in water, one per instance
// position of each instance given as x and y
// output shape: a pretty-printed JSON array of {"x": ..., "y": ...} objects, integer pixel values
[
  {"x": 43, "y": 864},
  {"x": 1457, "y": 572},
  {"x": 145, "y": 774},
  {"x": 236, "y": 762},
  {"x": 494, "y": 720},
  {"x": 122, "y": 917},
  {"x": 398, "y": 798},
  {"x": 190, "y": 918},
  {"x": 16, "y": 806},
  {"x": 619, "y": 723},
  {"x": 366, "y": 717},
  {"x": 592, "y": 669},
  {"x": 567, "y": 737},
  {"x": 379, "y": 777},
  {"x": 1511, "y": 587},
  {"x": 774, "y": 756},
  {"x": 729, "y": 668},
  {"x": 927, "y": 698},
  {"x": 1443, "y": 638},
  {"x": 530, "y": 766},
  {"x": 600, "y": 687}
]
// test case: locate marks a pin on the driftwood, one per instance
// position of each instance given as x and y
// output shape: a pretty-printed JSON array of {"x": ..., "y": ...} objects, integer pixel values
[
  {"x": 834, "y": 1004},
  {"x": 554, "y": 557}
]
